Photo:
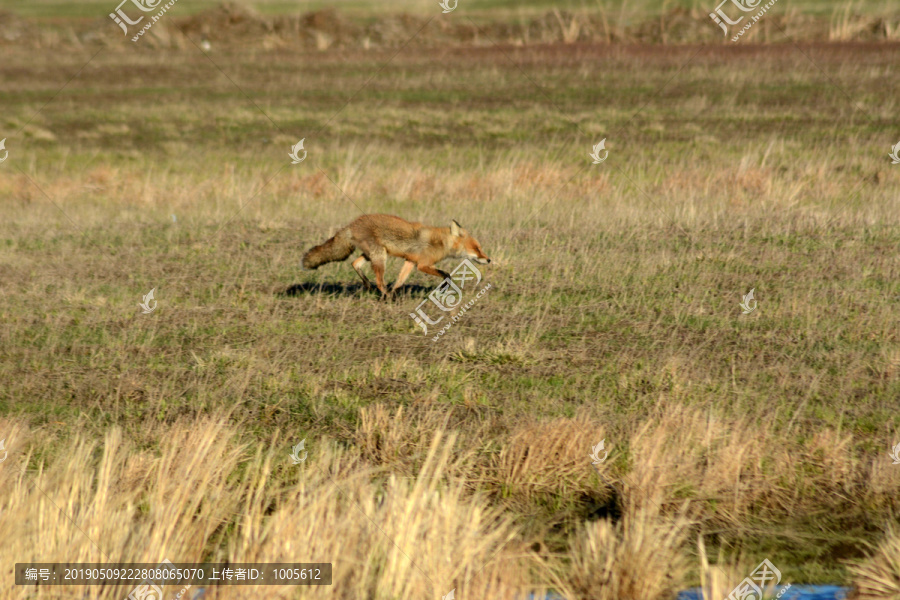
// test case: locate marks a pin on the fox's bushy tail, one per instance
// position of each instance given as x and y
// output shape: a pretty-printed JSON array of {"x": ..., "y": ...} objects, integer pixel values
[{"x": 337, "y": 248}]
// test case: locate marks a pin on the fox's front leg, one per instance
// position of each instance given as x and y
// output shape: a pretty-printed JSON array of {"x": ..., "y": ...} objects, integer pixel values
[
  {"x": 357, "y": 266},
  {"x": 430, "y": 270}
]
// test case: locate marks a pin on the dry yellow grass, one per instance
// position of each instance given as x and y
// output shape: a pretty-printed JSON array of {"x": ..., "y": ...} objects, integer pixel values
[
  {"x": 718, "y": 580},
  {"x": 543, "y": 457},
  {"x": 391, "y": 536},
  {"x": 124, "y": 505},
  {"x": 878, "y": 576},
  {"x": 639, "y": 558},
  {"x": 387, "y": 538}
]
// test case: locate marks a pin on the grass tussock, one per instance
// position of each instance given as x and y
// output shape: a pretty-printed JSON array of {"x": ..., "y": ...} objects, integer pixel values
[
  {"x": 639, "y": 558},
  {"x": 878, "y": 575},
  {"x": 539, "y": 459},
  {"x": 718, "y": 580},
  {"x": 204, "y": 496}
]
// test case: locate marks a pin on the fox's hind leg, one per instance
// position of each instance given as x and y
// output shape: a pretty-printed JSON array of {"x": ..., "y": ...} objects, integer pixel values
[
  {"x": 378, "y": 267},
  {"x": 357, "y": 266},
  {"x": 379, "y": 258}
]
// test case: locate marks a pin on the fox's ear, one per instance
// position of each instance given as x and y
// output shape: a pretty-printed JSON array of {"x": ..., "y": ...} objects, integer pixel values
[{"x": 455, "y": 228}]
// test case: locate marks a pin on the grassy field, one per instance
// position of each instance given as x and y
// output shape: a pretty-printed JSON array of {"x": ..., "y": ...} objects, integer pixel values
[{"x": 613, "y": 314}]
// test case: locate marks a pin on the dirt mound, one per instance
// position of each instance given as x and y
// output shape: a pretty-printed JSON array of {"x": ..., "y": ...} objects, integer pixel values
[
  {"x": 14, "y": 28},
  {"x": 327, "y": 21},
  {"x": 228, "y": 21}
]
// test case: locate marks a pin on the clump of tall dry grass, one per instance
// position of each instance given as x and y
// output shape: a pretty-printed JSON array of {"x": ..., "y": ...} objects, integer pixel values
[
  {"x": 201, "y": 498},
  {"x": 401, "y": 538},
  {"x": 718, "y": 581},
  {"x": 847, "y": 24},
  {"x": 119, "y": 504},
  {"x": 878, "y": 576},
  {"x": 746, "y": 466},
  {"x": 399, "y": 436},
  {"x": 549, "y": 457},
  {"x": 639, "y": 558}
]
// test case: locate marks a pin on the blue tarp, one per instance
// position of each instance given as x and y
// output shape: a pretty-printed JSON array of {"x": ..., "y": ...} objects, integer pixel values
[{"x": 795, "y": 592}]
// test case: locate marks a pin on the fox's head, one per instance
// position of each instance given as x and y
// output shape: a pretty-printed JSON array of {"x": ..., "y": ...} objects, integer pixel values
[{"x": 465, "y": 245}]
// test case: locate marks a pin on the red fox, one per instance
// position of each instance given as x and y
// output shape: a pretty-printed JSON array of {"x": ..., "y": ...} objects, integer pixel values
[{"x": 378, "y": 236}]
